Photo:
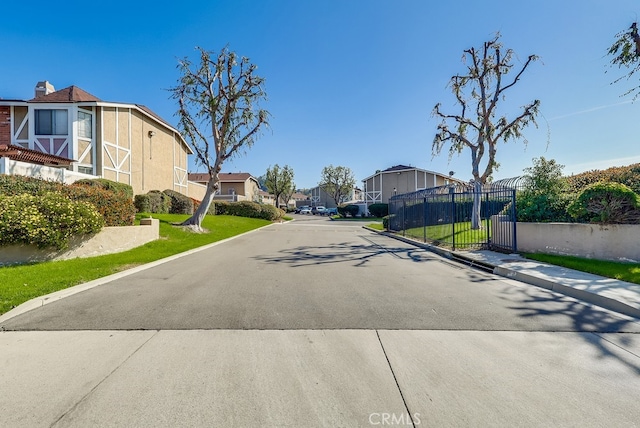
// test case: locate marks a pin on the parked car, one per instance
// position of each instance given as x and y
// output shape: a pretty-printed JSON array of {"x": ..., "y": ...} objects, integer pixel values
[
  {"x": 304, "y": 207},
  {"x": 320, "y": 210},
  {"x": 305, "y": 210},
  {"x": 332, "y": 211}
]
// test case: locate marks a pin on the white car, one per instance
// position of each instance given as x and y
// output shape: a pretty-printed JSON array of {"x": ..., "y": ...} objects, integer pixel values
[{"x": 305, "y": 210}]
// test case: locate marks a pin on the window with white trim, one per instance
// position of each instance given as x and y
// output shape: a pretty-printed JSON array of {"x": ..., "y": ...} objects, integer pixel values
[
  {"x": 52, "y": 122},
  {"x": 84, "y": 125}
]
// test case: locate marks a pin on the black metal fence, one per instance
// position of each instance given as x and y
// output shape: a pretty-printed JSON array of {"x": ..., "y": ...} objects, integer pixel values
[{"x": 443, "y": 216}]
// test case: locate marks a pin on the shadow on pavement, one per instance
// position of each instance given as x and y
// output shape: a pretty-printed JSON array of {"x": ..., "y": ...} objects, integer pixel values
[
  {"x": 344, "y": 252},
  {"x": 585, "y": 318}
]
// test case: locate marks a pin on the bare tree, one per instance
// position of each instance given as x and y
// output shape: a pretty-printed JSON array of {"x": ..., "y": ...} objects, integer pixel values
[
  {"x": 626, "y": 53},
  {"x": 279, "y": 182},
  {"x": 337, "y": 182},
  {"x": 478, "y": 92},
  {"x": 218, "y": 111}
]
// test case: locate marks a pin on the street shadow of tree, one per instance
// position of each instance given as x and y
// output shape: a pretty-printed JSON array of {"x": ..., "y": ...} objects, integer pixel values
[
  {"x": 345, "y": 252},
  {"x": 592, "y": 321}
]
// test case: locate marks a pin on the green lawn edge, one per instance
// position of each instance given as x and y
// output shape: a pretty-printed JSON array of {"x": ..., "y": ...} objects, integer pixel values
[
  {"x": 629, "y": 272},
  {"x": 21, "y": 283}
]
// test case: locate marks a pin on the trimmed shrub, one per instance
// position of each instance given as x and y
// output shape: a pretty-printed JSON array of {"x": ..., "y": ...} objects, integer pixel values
[
  {"x": 269, "y": 212},
  {"x": 142, "y": 203},
  {"x": 348, "y": 210},
  {"x": 385, "y": 222},
  {"x": 103, "y": 183},
  {"x": 379, "y": 210},
  {"x": 46, "y": 220},
  {"x": 180, "y": 204},
  {"x": 17, "y": 185},
  {"x": 607, "y": 203},
  {"x": 116, "y": 208},
  {"x": 247, "y": 209},
  {"x": 154, "y": 202}
]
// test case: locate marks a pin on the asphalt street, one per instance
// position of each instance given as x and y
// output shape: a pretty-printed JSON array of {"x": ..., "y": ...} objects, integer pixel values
[{"x": 318, "y": 323}]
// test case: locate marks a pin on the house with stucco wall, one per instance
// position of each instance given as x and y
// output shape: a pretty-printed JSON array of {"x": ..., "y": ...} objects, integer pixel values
[
  {"x": 400, "y": 179},
  {"x": 122, "y": 142}
]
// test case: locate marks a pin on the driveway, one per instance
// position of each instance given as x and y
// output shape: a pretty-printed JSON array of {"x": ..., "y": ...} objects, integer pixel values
[{"x": 318, "y": 323}]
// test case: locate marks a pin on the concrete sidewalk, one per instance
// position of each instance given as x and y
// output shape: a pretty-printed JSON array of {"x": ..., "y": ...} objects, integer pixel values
[{"x": 612, "y": 294}]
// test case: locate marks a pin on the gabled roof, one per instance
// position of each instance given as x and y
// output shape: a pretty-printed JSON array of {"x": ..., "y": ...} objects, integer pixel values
[
  {"x": 400, "y": 168},
  {"x": 21, "y": 154},
  {"x": 72, "y": 94},
  {"x": 234, "y": 177}
]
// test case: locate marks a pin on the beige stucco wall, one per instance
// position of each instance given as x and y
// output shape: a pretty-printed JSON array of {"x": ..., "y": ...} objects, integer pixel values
[
  {"x": 403, "y": 182},
  {"x": 157, "y": 162},
  {"x": 604, "y": 242},
  {"x": 196, "y": 190},
  {"x": 109, "y": 240}
]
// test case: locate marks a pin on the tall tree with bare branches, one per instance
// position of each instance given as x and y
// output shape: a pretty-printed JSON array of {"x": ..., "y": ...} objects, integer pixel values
[
  {"x": 219, "y": 113},
  {"x": 626, "y": 53},
  {"x": 479, "y": 125}
]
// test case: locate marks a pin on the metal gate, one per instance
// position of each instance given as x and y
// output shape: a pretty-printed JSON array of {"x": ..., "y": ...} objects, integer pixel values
[{"x": 443, "y": 216}]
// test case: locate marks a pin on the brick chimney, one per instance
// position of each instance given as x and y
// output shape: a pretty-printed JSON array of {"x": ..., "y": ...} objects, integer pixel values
[
  {"x": 44, "y": 88},
  {"x": 5, "y": 125}
]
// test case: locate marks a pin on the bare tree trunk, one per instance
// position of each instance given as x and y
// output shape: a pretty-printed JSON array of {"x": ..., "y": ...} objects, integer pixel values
[
  {"x": 476, "y": 220},
  {"x": 195, "y": 221}
]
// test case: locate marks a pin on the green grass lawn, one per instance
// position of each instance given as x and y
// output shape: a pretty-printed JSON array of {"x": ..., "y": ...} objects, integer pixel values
[
  {"x": 629, "y": 272},
  {"x": 21, "y": 283},
  {"x": 443, "y": 233}
]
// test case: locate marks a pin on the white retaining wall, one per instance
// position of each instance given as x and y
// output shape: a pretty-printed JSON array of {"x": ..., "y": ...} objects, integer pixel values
[
  {"x": 618, "y": 242},
  {"x": 109, "y": 240}
]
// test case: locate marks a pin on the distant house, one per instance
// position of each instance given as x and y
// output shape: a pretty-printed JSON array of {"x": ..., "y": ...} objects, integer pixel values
[
  {"x": 234, "y": 187},
  {"x": 399, "y": 179},
  {"x": 321, "y": 198},
  {"x": 71, "y": 134}
]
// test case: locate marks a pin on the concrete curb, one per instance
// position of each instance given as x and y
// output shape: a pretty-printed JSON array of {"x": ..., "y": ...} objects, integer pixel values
[
  {"x": 538, "y": 281},
  {"x": 38, "y": 302}
]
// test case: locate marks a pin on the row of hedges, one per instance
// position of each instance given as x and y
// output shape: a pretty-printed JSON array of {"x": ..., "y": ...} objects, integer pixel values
[
  {"x": 112, "y": 200},
  {"x": 248, "y": 209},
  {"x": 167, "y": 202},
  {"x": 173, "y": 202},
  {"x": 608, "y": 196},
  {"x": 627, "y": 175}
]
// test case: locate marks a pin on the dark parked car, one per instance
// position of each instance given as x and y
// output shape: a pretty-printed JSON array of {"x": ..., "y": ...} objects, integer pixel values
[
  {"x": 319, "y": 210},
  {"x": 331, "y": 211}
]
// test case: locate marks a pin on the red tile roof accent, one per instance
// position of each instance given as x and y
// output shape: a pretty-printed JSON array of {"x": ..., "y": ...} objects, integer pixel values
[
  {"x": 66, "y": 95},
  {"x": 21, "y": 154}
]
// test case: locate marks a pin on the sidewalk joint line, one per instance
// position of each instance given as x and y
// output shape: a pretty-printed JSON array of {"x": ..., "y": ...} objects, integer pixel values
[
  {"x": 406, "y": 406},
  {"x": 81, "y": 400}
]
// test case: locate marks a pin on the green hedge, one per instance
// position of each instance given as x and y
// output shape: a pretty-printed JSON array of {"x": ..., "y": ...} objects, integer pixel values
[
  {"x": 103, "y": 183},
  {"x": 116, "y": 208},
  {"x": 180, "y": 204},
  {"x": 248, "y": 209},
  {"x": 111, "y": 199},
  {"x": 11, "y": 185},
  {"x": 606, "y": 203},
  {"x": 379, "y": 210},
  {"x": 45, "y": 220},
  {"x": 348, "y": 210},
  {"x": 153, "y": 202}
]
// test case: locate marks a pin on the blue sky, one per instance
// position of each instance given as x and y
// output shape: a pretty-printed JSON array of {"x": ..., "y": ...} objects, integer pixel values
[{"x": 350, "y": 82}]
